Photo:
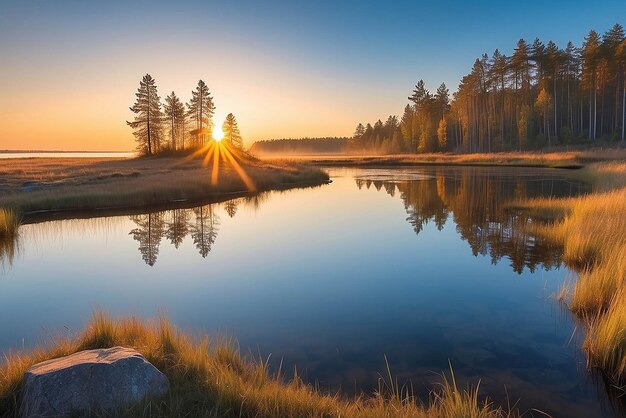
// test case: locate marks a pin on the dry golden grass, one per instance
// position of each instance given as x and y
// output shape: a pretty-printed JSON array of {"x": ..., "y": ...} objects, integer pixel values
[
  {"x": 592, "y": 230},
  {"x": 33, "y": 185},
  {"x": 9, "y": 223},
  {"x": 210, "y": 378},
  {"x": 524, "y": 159}
]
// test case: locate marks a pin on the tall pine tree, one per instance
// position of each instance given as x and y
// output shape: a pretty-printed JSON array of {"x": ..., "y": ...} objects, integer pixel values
[
  {"x": 201, "y": 108},
  {"x": 174, "y": 111},
  {"x": 231, "y": 132},
  {"x": 148, "y": 123}
]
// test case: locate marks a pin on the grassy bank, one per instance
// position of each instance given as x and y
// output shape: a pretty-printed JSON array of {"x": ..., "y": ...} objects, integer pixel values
[
  {"x": 556, "y": 159},
  {"x": 33, "y": 186},
  {"x": 210, "y": 378},
  {"x": 592, "y": 230}
]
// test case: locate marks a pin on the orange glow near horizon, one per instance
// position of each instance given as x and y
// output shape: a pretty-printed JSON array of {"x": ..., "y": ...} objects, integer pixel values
[
  {"x": 64, "y": 122},
  {"x": 69, "y": 111}
]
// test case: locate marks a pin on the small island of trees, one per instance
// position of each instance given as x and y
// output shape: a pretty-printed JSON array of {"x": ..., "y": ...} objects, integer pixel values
[{"x": 175, "y": 126}]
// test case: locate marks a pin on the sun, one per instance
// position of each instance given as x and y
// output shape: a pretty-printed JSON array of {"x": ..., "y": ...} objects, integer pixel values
[{"x": 218, "y": 135}]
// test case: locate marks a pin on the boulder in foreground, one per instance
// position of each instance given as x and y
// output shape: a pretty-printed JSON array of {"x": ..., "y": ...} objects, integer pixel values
[{"x": 91, "y": 380}]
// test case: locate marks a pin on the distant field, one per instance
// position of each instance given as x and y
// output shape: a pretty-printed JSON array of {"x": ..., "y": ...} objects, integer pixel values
[{"x": 563, "y": 159}]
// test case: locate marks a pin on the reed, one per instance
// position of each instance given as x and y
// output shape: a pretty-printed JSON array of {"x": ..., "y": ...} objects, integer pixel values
[
  {"x": 592, "y": 230},
  {"x": 9, "y": 223},
  {"x": 210, "y": 378},
  {"x": 35, "y": 188}
]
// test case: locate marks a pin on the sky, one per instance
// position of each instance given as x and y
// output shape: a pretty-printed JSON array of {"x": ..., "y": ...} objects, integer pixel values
[{"x": 69, "y": 70}]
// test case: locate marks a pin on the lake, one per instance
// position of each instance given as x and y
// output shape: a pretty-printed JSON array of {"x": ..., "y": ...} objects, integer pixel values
[{"x": 423, "y": 266}]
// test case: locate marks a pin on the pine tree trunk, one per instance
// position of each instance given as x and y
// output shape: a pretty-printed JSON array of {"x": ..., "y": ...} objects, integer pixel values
[
  {"x": 590, "y": 113},
  {"x": 173, "y": 139},
  {"x": 623, "y": 104},
  {"x": 595, "y": 108},
  {"x": 602, "y": 112},
  {"x": 555, "y": 112},
  {"x": 149, "y": 129}
]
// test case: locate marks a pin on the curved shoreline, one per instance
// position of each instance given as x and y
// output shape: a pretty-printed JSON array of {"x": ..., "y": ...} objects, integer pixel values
[
  {"x": 45, "y": 215},
  {"x": 61, "y": 189}
]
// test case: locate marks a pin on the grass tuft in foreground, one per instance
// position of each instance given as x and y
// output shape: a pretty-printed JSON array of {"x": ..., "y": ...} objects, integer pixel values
[
  {"x": 210, "y": 378},
  {"x": 9, "y": 223},
  {"x": 592, "y": 230}
]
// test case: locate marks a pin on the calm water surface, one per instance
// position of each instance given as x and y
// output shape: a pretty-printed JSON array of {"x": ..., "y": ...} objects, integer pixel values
[{"x": 421, "y": 265}]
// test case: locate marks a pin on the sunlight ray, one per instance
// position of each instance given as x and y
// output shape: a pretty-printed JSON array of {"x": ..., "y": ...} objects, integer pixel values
[
  {"x": 242, "y": 173},
  {"x": 216, "y": 164},
  {"x": 209, "y": 152}
]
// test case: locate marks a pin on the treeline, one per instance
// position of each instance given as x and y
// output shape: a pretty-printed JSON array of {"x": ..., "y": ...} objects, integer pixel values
[
  {"x": 540, "y": 95},
  {"x": 328, "y": 145},
  {"x": 174, "y": 125}
]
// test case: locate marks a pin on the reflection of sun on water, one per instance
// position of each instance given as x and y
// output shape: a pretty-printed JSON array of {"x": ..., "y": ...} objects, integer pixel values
[{"x": 218, "y": 135}]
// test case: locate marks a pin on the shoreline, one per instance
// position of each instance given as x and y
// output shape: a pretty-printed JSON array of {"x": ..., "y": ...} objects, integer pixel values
[
  {"x": 59, "y": 188},
  {"x": 46, "y": 215},
  {"x": 572, "y": 160}
]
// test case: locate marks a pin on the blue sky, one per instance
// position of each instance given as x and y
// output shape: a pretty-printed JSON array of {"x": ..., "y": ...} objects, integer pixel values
[{"x": 285, "y": 69}]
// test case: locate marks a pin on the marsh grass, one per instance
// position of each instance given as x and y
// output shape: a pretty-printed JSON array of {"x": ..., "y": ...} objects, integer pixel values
[
  {"x": 562, "y": 159},
  {"x": 9, "y": 228},
  {"x": 35, "y": 188},
  {"x": 592, "y": 230},
  {"x": 9, "y": 223},
  {"x": 210, "y": 378}
]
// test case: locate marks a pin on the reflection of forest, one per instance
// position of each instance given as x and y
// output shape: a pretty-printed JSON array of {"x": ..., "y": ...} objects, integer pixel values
[
  {"x": 174, "y": 225},
  {"x": 476, "y": 199},
  {"x": 201, "y": 223}
]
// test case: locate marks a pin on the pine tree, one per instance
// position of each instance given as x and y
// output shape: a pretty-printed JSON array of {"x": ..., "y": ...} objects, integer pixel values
[
  {"x": 520, "y": 63},
  {"x": 552, "y": 64},
  {"x": 543, "y": 105},
  {"x": 611, "y": 41},
  {"x": 406, "y": 128},
  {"x": 523, "y": 122},
  {"x": 498, "y": 73},
  {"x": 149, "y": 231},
  {"x": 621, "y": 59},
  {"x": 231, "y": 132},
  {"x": 174, "y": 111},
  {"x": 231, "y": 207},
  {"x": 538, "y": 55},
  {"x": 420, "y": 94},
  {"x": 201, "y": 108},
  {"x": 178, "y": 226},
  {"x": 442, "y": 98},
  {"x": 359, "y": 131},
  {"x": 204, "y": 231},
  {"x": 591, "y": 59},
  {"x": 148, "y": 123}
]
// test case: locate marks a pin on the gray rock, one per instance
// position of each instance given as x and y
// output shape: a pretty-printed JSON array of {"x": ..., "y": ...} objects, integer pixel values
[{"x": 92, "y": 380}]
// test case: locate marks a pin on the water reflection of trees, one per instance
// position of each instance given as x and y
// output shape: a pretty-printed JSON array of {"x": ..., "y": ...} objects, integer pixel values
[
  {"x": 200, "y": 223},
  {"x": 477, "y": 202}
]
